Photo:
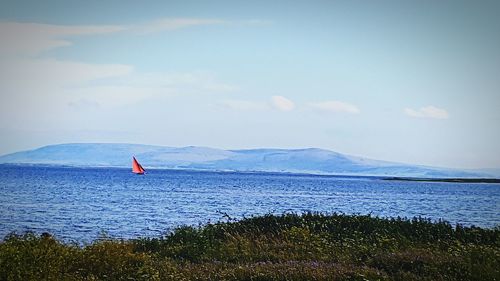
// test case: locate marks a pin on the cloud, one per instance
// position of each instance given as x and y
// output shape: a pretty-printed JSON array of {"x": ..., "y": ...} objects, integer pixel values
[
  {"x": 284, "y": 104},
  {"x": 37, "y": 92},
  {"x": 31, "y": 83},
  {"x": 83, "y": 104},
  {"x": 281, "y": 103},
  {"x": 243, "y": 105},
  {"x": 427, "y": 112},
  {"x": 334, "y": 106},
  {"x": 196, "y": 82},
  {"x": 276, "y": 102},
  {"x": 51, "y": 71},
  {"x": 256, "y": 22},
  {"x": 172, "y": 24},
  {"x": 136, "y": 87},
  {"x": 38, "y": 85},
  {"x": 34, "y": 38}
]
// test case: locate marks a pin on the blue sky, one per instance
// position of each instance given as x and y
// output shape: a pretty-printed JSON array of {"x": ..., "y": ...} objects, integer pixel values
[{"x": 408, "y": 81}]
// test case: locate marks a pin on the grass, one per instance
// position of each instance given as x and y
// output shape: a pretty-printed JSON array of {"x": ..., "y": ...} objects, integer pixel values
[{"x": 285, "y": 247}]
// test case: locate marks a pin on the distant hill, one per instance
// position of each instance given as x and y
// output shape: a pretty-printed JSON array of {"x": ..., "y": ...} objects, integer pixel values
[{"x": 309, "y": 160}]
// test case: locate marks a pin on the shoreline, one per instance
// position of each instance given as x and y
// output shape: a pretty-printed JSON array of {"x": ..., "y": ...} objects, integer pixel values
[
  {"x": 249, "y": 172},
  {"x": 451, "y": 180}
]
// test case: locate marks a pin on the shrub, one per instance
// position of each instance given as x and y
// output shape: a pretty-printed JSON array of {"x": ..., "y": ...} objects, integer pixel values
[{"x": 310, "y": 246}]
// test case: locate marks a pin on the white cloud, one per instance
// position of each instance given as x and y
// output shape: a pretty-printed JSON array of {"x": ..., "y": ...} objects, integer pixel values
[
  {"x": 50, "y": 71},
  {"x": 47, "y": 88},
  {"x": 427, "y": 112},
  {"x": 335, "y": 106},
  {"x": 243, "y": 105},
  {"x": 276, "y": 102},
  {"x": 172, "y": 24},
  {"x": 281, "y": 103},
  {"x": 107, "y": 84},
  {"x": 37, "y": 92},
  {"x": 44, "y": 78},
  {"x": 284, "y": 104},
  {"x": 256, "y": 22},
  {"x": 136, "y": 87},
  {"x": 83, "y": 104},
  {"x": 34, "y": 38},
  {"x": 197, "y": 82}
]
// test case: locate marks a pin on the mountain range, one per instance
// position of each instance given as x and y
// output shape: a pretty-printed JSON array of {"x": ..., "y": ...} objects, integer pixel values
[{"x": 308, "y": 160}]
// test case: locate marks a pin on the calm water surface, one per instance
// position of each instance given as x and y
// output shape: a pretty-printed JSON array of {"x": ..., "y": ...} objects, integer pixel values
[{"x": 79, "y": 204}]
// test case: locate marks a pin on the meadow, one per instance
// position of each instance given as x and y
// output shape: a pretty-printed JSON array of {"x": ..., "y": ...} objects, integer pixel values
[{"x": 309, "y": 246}]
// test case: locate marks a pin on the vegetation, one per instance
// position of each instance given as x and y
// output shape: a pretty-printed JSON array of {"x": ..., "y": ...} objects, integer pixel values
[{"x": 285, "y": 247}]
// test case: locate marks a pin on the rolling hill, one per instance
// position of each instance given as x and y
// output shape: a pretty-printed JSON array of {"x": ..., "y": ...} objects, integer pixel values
[{"x": 309, "y": 160}]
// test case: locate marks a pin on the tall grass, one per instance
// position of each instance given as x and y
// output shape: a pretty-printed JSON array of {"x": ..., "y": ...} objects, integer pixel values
[{"x": 285, "y": 247}]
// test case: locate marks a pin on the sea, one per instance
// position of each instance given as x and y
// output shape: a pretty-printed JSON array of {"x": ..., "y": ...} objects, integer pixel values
[{"x": 84, "y": 204}]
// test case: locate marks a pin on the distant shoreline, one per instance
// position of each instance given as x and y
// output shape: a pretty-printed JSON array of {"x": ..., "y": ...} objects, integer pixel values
[
  {"x": 453, "y": 180},
  {"x": 291, "y": 173}
]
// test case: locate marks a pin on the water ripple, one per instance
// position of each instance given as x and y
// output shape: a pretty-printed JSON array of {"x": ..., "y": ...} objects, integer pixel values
[{"x": 79, "y": 204}]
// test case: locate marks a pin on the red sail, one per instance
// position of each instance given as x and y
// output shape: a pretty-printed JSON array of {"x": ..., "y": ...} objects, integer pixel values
[{"x": 136, "y": 167}]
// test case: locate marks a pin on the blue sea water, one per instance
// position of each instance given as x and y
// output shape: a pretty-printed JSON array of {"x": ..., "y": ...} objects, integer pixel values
[{"x": 79, "y": 204}]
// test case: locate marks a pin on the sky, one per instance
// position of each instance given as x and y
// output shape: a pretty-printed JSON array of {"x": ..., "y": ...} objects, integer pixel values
[{"x": 407, "y": 81}]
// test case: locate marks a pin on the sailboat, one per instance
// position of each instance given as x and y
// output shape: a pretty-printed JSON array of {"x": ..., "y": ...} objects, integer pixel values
[{"x": 136, "y": 167}]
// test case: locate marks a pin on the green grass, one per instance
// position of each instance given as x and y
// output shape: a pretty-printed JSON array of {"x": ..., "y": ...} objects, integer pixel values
[{"x": 285, "y": 247}]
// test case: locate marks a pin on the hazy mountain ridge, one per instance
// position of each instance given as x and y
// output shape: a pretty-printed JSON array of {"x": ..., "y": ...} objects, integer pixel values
[{"x": 309, "y": 160}]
